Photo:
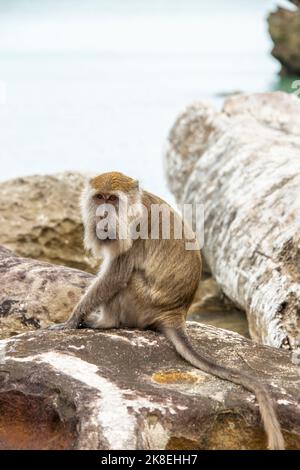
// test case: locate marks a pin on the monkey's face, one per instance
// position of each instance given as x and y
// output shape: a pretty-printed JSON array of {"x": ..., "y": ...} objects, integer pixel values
[
  {"x": 107, "y": 207},
  {"x": 110, "y": 203}
]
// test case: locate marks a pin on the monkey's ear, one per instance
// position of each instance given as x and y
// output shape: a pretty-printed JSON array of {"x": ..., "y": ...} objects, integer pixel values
[{"x": 136, "y": 184}]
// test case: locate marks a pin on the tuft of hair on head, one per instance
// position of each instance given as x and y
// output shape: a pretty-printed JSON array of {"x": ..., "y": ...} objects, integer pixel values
[{"x": 114, "y": 181}]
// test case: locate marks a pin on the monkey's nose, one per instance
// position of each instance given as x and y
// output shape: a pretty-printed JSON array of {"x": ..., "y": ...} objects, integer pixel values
[{"x": 102, "y": 216}]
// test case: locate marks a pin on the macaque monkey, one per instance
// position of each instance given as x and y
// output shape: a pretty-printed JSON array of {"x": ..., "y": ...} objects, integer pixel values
[{"x": 148, "y": 280}]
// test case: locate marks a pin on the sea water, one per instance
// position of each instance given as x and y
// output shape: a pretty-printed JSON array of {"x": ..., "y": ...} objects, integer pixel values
[{"x": 96, "y": 85}]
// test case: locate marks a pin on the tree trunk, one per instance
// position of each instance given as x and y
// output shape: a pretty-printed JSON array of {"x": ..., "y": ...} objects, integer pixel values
[{"x": 243, "y": 164}]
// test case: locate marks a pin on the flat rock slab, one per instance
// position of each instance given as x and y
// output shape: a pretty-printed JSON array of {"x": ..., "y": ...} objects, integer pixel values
[{"x": 125, "y": 389}]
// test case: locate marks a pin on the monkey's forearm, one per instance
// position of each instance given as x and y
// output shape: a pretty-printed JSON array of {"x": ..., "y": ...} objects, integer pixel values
[
  {"x": 98, "y": 294},
  {"x": 102, "y": 290}
]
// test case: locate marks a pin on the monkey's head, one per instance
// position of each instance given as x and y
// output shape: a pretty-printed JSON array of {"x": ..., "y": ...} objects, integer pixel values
[
  {"x": 113, "y": 182},
  {"x": 110, "y": 204}
]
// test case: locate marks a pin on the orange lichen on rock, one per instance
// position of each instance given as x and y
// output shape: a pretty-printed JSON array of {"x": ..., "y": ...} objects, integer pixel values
[{"x": 175, "y": 376}]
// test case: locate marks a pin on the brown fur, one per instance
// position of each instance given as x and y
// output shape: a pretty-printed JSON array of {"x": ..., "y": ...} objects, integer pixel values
[
  {"x": 113, "y": 181},
  {"x": 151, "y": 283}
]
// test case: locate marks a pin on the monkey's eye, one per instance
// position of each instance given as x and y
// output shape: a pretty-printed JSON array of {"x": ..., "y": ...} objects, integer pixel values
[
  {"x": 99, "y": 196},
  {"x": 113, "y": 198}
]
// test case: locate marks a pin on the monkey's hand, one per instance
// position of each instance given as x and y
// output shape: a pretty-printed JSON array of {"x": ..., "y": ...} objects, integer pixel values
[{"x": 59, "y": 326}]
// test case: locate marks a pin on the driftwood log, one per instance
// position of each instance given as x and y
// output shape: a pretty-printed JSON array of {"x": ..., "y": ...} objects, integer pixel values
[
  {"x": 243, "y": 164},
  {"x": 123, "y": 389}
]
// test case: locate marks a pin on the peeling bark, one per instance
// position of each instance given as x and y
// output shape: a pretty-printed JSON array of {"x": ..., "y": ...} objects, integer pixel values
[
  {"x": 243, "y": 164},
  {"x": 126, "y": 389}
]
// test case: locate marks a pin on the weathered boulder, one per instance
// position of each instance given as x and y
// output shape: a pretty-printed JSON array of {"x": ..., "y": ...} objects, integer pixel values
[
  {"x": 125, "y": 389},
  {"x": 35, "y": 294},
  {"x": 284, "y": 28},
  {"x": 243, "y": 164},
  {"x": 40, "y": 218}
]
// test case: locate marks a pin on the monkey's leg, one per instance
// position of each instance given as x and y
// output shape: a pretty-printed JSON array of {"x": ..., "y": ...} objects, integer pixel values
[
  {"x": 103, "y": 318},
  {"x": 84, "y": 307},
  {"x": 99, "y": 320},
  {"x": 103, "y": 289},
  {"x": 73, "y": 322}
]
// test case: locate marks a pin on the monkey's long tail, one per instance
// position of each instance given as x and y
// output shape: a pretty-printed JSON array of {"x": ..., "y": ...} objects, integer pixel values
[{"x": 182, "y": 344}]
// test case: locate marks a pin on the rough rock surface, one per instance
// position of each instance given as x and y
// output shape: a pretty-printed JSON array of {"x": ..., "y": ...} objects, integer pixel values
[
  {"x": 243, "y": 164},
  {"x": 35, "y": 294},
  {"x": 284, "y": 28},
  {"x": 40, "y": 218},
  {"x": 124, "y": 389}
]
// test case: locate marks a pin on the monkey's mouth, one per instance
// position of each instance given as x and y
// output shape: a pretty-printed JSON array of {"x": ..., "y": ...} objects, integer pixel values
[
  {"x": 108, "y": 240},
  {"x": 106, "y": 237},
  {"x": 107, "y": 234}
]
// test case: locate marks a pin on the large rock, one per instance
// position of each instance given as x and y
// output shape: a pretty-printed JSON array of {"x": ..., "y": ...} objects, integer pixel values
[
  {"x": 125, "y": 389},
  {"x": 40, "y": 218},
  {"x": 284, "y": 28},
  {"x": 35, "y": 294}
]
